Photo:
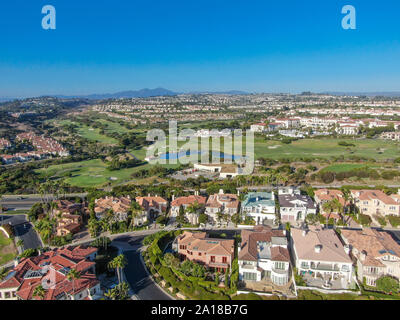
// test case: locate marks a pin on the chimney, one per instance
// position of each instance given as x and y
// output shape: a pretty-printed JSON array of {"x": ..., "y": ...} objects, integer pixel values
[
  {"x": 221, "y": 191},
  {"x": 318, "y": 248},
  {"x": 173, "y": 197},
  {"x": 304, "y": 233},
  {"x": 148, "y": 195},
  {"x": 347, "y": 249},
  {"x": 16, "y": 262},
  {"x": 363, "y": 255}
]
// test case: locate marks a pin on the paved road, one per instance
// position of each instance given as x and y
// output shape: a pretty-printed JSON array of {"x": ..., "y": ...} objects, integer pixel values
[
  {"x": 24, "y": 230},
  {"x": 140, "y": 282},
  {"x": 26, "y": 202}
]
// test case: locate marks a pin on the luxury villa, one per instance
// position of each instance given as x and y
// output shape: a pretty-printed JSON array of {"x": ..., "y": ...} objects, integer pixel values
[{"x": 260, "y": 206}]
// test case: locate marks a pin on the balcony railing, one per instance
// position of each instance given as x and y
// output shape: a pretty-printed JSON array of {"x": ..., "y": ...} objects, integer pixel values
[{"x": 324, "y": 267}]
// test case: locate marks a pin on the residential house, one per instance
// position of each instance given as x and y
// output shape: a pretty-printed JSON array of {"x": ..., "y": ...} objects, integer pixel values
[
  {"x": 395, "y": 136},
  {"x": 260, "y": 206},
  {"x": 153, "y": 206},
  {"x": 319, "y": 253},
  {"x": 50, "y": 270},
  {"x": 375, "y": 252},
  {"x": 263, "y": 255},
  {"x": 4, "y": 143},
  {"x": 295, "y": 207},
  {"x": 185, "y": 202},
  {"x": 375, "y": 202},
  {"x": 222, "y": 203},
  {"x": 289, "y": 191},
  {"x": 322, "y": 196},
  {"x": 258, "y": 127},
  {"x": 119, "y": 207},
  {"x": 215, "y": 254}
]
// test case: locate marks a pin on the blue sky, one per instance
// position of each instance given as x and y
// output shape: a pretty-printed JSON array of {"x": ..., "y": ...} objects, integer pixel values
[{"x": 270, "y": 46}]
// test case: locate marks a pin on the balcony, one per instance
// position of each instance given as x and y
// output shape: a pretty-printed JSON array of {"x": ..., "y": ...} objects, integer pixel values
[
  {"x": 324, "y": 267},
  {"x": 280, "y": 272}
]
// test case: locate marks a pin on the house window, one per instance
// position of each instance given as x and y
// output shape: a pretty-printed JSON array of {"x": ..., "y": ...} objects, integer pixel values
[
  {"x": 199, "y": 254},
  {"x": 212, "y": 258},
  {"x": 224, "y": 259},
  {"x": 249, "y": 276},
  {"x": 280, "y": 265}
]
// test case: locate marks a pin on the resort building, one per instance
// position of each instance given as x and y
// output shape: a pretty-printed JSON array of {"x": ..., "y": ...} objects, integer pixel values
[
  {"x": 224, "y": 170},
  {"x": 263, "y": 256}
]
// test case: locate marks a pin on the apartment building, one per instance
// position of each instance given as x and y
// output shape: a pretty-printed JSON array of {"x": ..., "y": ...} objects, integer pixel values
[{"x": 375, "y": 252}]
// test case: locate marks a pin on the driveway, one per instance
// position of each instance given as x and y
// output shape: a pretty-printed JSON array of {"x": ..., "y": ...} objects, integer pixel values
[{"x": 23, "y": 229}]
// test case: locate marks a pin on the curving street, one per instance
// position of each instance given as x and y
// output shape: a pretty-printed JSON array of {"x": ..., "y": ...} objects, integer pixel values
[{"x": 136, "y": 274}]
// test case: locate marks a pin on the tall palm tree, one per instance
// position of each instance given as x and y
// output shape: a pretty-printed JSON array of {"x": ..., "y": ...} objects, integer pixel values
[
  {"x": 118, "y": 263},
  {"x": 39, "y": 292},
  {"x": 73, "y": 275}
]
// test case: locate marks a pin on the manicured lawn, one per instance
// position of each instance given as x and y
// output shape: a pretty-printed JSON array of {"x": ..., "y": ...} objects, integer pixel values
[
  {"x": 91, "y": 133},
  {"x": 113, "y": 126},
  {"x": 7, "y": 249},
  {"x": 344, "y": 167},
  {"x": 92, "y": 173},
  {"x": 320, "y": 148},
  {"x": 326, "y": 148}
]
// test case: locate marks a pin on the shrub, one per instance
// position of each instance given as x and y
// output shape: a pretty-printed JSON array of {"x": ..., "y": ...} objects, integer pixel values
[
  {"x": 394, "y": 221},
  {"x": 364, "y": 220},
  {"x": 249, "y": 296},
  {"x": 387, "y": 284}
]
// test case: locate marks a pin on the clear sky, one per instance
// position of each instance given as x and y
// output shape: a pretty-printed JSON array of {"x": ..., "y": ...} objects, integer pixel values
[{"x": 106, "y": 46}]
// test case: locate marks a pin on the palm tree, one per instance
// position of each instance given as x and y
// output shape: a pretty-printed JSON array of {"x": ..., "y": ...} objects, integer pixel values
[
  {"x": 3, "y": 273},
  {"x": 72, "y": 275},
  {"x": 118, "y": 263},
  {"x": 119, "y": 292},
  {"x": 39, "y": 292}
]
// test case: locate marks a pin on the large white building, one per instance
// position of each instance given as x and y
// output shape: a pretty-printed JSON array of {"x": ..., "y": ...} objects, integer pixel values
[
  {"x": 320, "y": 253},
  {"x": 263, "y": 256},
  {"x": 260, "y": 206}
]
